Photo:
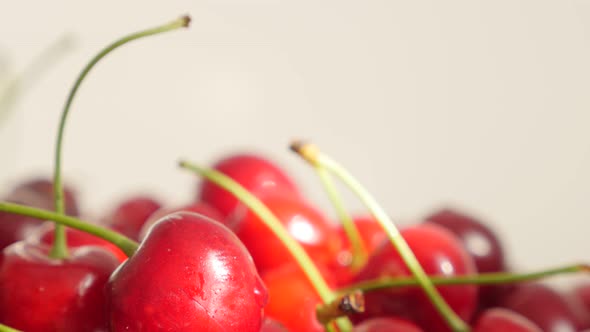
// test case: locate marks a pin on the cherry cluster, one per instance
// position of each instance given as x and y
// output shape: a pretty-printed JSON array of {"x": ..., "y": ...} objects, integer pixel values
[{"x": 251, "y": 253}]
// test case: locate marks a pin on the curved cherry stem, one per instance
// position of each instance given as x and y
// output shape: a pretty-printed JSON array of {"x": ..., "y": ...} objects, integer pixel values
[
  {"x": 274, "y": 224},
  {"x": 59, "y": 249},
  {"x": 5, "y": 328},
  {"x": 476, "y": 279},
  {"x": 313, "y": 155},
  {"x": 128, "y": 246},
  {"x": 359, "y": 249}
]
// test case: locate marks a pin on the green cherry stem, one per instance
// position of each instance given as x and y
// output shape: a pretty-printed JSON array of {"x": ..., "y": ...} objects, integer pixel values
[
  {"x": 127, "y": 245},
  {"x": 4, "y": 328},
  {"x": 359, "y": 251},
  {"x": 274, "y": 224},
  {"x": 59, "y": 249},
  {"x": 476, "y": 279},
  {"x": 313, "y": 155}
]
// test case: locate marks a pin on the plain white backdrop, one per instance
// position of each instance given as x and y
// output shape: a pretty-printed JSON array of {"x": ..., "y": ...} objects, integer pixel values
[{"x": 482, "y": 105}]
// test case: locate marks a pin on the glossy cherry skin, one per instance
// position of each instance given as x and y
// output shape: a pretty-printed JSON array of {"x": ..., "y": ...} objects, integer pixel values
[
  {"x": 271, "y": 325},
  {"x": 544, "y": 306},
  {"x": 77, "y": 238},
  {"x": 36, "y": 193},
  {"x": 196, "y": 207},
  {"x": 190, "y": 273},
  {"x": 499, "y": 319},
  {"x": 439, "y": 252},
  {"x": 256, "y": 174},
  {"x": 306, "y": 224},
  {"x": 42, "y": 294},
  {"x": 389, "y": 324},
  {"x": 480, "y": 240},
  {"x": 292, "y": 299},
  {"x": 130, "y": 215}
]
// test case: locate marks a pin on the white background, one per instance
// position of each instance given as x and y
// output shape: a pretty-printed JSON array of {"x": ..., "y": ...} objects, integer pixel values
[{"x": 483, "y": 105}]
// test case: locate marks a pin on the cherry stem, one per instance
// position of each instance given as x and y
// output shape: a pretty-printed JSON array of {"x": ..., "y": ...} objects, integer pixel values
[
  {"x": 359, "y": 249},
  {"x": 476, "y": 279},
  {"x": 314, "y": 156},
  {"x": 343, "y": 305},
  {"x": 274, "y": 224},
  {"x": 128, "y": 246},
  {"x": 5, "y": 328},
  {"x": 59, "y": 249}
]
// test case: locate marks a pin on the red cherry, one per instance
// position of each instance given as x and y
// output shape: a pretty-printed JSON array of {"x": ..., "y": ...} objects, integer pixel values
[
  {"x": 579, "y": 299},
  {"x": 498, "y": 319},
  {"x": 292, "y": 299},
  {"x": 189, "y": 274},
  {"x": 271, "y": 325},
  {"x": 42, "y": 294},
  {"x": 543, "y": 306},
  {"x": 77, "y": 238},
  {"x": 479, "y": 240},
  {"x": 197, "y": 207},
  {"x": 258, "y": 175},
  {"x": 389, "y": 324},
  {"x": 129, "y": 216},
  {"x": 439, "y": 253},
  {"x": 305, "y": 224},
  {"x": 36, "y": 193}
]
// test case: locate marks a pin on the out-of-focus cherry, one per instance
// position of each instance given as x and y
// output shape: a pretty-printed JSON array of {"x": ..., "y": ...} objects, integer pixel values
[
  {"x": 306, "y": 224},
  {"x": 130, "y": 215},
  {"x": 256, "y": 174},
  {"x": 38, "y": 293},
  {"x": 389, "y": 324},
  {"x": 504, "y": 320},
  {"x": 197, "y": 207},
  {"x": 189, "y": 274},
  {"x": 439, "y": 252}
]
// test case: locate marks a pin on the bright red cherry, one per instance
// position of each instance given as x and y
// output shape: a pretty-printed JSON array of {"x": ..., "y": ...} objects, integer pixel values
[
  {"x": 42, "y": 294},
  {"x": 77, "y": 238},
  {"x": 129, "y": 216},
  {"x": 389, "y": 324},
  {"x": 499, "y": 319},
  {"x": 292, "y": 299},
  {"x": 190, "y": 273},
  {"x": 197, "y": 207},
  {"x": 479, "y": 240},
  {"x": 543, "y": 306},
  {"x": 36, "y": 193},
  {"x": 439, "y": 252},
  {"x": 256, "y": 174},
  {"x": 306, "y": 224}
]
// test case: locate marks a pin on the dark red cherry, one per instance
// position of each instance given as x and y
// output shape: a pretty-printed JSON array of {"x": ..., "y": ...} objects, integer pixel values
[
  {"x": 389, "y": 324},
  {"x": 439, "y": 252},
  {"x": 504, "y": 320},
  {"x": 190, "y": 273},
  {"x": 42, "y": 294},
  {"x": 196, "y": 207},
  {"x": 256, "y": 174},
  {"x": 77, "y": 238},
  {"x": 579, "y": 299},
  {"x": 543, "y": 306},
  {"x": 129, "y": 216},
  {"x": 271, "y": 325},
  {"x": 292, "y": 299},
  {"x": 479, "y": 240},
  {"x": 36, "y": 193},
  {"x": 306, "y": 224}
]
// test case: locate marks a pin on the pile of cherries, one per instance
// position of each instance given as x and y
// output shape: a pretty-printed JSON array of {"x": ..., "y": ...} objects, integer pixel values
[{"x": 216, "y": 264}]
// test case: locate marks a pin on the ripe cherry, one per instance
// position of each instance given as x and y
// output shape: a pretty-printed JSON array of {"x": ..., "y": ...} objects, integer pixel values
[
  {"x": 38, "y": 293},
  {"x": 390, "y": 324},
  {"x": 499, "y": 319},
  {"x": 129, "y": 216},
  {"x": 190, "y": 273},
  {"x": 543, "y": 306},
  {"x": 256, "y": 174},
  {"x": 306, "y": 224},
  {"x": 197, "y": 207},
  {"x": 439, "y": 252}
]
